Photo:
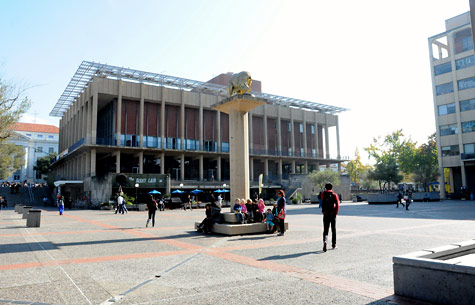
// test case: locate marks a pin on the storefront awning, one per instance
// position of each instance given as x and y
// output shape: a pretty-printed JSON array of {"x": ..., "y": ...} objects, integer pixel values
[{"x": 63, "y": 182}]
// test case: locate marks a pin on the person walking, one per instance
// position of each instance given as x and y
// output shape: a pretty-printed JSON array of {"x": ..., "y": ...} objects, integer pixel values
[
  {"x": 152, "y": 206},
  {"x": 399, "y": 200},
  {"x": 60, "y": 204},
  {"x": 281, "y": 211},
  {"x": 220, "y": 201},
  {"x": 120, "y": 204},
  {"x": 187, "y": 202},
  {"x": 330, "y": 207}
]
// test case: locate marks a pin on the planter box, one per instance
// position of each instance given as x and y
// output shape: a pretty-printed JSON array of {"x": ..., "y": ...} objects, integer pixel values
[
  {"x": 381, "y": 198},
  {"x": 443, "y": 275},
  {"x": 141, "y": 206}
]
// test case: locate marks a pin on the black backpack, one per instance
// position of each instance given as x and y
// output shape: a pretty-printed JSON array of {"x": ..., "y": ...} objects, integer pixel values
[{"x": 328, "y": 203}]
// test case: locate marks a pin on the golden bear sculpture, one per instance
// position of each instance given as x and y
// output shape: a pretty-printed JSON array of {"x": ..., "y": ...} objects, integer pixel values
[{"x": 240, "y": 83}]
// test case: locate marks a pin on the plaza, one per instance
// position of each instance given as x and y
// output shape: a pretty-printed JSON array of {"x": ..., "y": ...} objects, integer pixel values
[{"x": 97, "y": 257}]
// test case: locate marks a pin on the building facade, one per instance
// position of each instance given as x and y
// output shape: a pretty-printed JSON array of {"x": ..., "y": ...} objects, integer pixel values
[
  {"x": 453, "y": 79},
  {"x": 126, "y": 121},
  {"x": 38, "y": 140}
]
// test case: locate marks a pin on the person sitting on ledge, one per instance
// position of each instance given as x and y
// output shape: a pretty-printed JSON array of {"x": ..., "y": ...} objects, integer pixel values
[
  {"x": 255, "y": 211},
  {"x": 205, "y": 225},
  {"x": 238, "y": 210},
  {"x": 261, "y": 208},
  {"x": 269, "y": 221},
  {"x": 244, "y": 210},
  {"x": 250, "y": 214}
]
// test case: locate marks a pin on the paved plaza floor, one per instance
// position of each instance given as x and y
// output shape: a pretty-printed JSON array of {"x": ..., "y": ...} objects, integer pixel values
[{"x": 97, "y": 257}]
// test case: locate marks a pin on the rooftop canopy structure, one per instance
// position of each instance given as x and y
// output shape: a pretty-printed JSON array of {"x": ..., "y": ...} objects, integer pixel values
[{"x": 87, "y": 70}]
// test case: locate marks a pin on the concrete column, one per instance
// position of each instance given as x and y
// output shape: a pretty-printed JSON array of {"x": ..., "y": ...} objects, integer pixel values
[
  {"x": 292, "y": 132},
  {"x": 201, "y": 123},
  {"x": 89, "y": 116},
  {"x": 201, "y": 168},
  {"x": 218, "y": 169},
  {"x": 316, "y": 136},
  {"x": 279, "y": 132},
  {"x": 338, "y": 140},
  {"x": 251, "y": 137},
  {"x": 141, "y": 162},
  {"x": 239, "y": 165},
  {"x": 95, "y": 101},
  {"x": 182, "y": 119},
  {"x": 251, "y": 169},
  {"x": 182, "y": 167},
  {"x": 93, "y": 162},
  {"x": 88, "y": 164},
  {"x": 306, "y": 167},
  {"x": 162, "y": 163},
  {"x": 218, "y": 125},
  {"x": 304, "y": 137},
  {"x": 280, "y": 169},
  {"x": 119, "y": 114},
  {"x": 327, "y": 142},
  {"x": 162, "y": 118},
  {"x": 266, "y": 146},
  {"x": 293, "y": 167},
  {"x": 266, "y": 168},
  {"x": 141, "y": 114}
]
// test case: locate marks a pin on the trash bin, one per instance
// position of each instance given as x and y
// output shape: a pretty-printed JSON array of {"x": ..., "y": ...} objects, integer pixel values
[
  {"x": 34, "y": 218},
  {"x": 26, "y": 209},
  {"x": 19, "y": 208}
]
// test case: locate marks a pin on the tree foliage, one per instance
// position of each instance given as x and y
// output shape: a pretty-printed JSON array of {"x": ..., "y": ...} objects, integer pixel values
[
  {"x": 43, "y": 165},
  {"x": 12, "y": 106},
  {"x": 12, "y": 159},
  {"x": 356, "y": 169},
  {"x": 425, "y": 162},
  {"x": 320, "y": 178}
]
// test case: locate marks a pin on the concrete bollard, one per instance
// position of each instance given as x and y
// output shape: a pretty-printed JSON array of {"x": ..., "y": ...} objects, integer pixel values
[
  {"x": 26, "y": 209},
  {"x": 20, "y": 208},
  {"x": 34, "y": 218}
]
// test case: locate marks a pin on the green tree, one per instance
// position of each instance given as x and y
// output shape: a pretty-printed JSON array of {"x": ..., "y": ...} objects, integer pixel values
[
  {"x": 43, "y": 164},
  {"x": 12, "y": 106},
  {"x": 425, "y": 162},
  {"x": 13, "y": 158},
  {"x": 355, "y": 168},
  {"x": 320, "y": 178},
  {"x": 386, "y": 171}
]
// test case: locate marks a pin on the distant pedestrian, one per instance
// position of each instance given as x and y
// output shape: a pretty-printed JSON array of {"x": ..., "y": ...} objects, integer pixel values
[
  {"x": 399, "y": 200},
  {"x": 60, "y": 204},
  {"x": 220, "y": 201},
  {"x": 187, "y": 203},
  {"x": 161, "y": 204},
  {"x": 408, "y": 200},
  {"x": 120, "y": 204},
  {"x": 152, "y": 206},
  {"x": 5, "y": 203},
  {"x": 330, "y": 207},
  {"x": 281, "y": 211}
]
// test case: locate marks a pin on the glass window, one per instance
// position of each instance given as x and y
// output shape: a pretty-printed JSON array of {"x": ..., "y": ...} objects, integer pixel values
[
  {"x": 452, "y": 150},
  {"x": 447, "y": 109},
  {"x": 464, "y": 62},
  {"x": 469, "y": 148},
  {"x": 39, "y": 136},
  {"x": 313, "y": 129},
  {"x": 301, "y": 128},
  {"x": 39, "y": 149},
  {"x": 443, "y": 68},
  {"x": 50, "y": 137},
  {"x": 467, "y": 105},
  {"x": 444, "y": 89},
  {"x": 446, "y": 130},
  {"x": 51, "y": 150},
  {"x": 28, "y": 134},
  {"x": 463, "y": 41},
  {"x": 468, "y": 126},
  {"x": 466, "y": 83}
]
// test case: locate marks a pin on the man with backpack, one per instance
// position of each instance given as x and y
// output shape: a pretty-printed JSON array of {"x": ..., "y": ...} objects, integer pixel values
[{"x": 330, "y": 206}]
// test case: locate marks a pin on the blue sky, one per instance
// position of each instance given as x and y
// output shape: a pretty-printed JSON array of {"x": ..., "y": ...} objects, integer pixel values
[{"x": 369, "y": 56}]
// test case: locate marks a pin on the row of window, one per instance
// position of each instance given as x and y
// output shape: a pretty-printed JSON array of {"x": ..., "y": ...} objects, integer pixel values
[
  {"x": 451, "y": 129},
  {"x": 40, "y": 149},
  {"x": 40, "y": 136},
  {"x": 462, "y": 84},
  {"x": 465, "y": 105},
  {"x": 461, "y": 63},
  {"x": 453, "y": 150}
]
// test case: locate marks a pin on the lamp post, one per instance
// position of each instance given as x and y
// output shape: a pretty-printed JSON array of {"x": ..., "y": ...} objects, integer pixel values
[
  {"x": 224, "y": 193},
  {"x": 136, "y": 190}
]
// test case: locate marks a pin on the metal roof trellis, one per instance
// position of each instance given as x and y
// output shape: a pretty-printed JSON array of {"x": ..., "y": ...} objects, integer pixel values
[{"x": 87, "y": 70}]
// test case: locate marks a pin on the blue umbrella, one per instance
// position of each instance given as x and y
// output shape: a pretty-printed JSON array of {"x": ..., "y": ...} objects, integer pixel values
[
  {"x": 154, "y": 192},
  {"x": 219, "y": 191},
  {"x": 178, "y": 192},
  {"x": 197, "y": 191},
  {"x": 225, "y": 191}
]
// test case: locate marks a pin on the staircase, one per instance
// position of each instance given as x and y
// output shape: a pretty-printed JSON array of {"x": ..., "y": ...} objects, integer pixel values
[{"x": 27, "y": 195}]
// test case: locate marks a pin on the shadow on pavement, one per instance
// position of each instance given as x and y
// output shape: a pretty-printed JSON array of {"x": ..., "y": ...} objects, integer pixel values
[{"x": 294, "y": 255}]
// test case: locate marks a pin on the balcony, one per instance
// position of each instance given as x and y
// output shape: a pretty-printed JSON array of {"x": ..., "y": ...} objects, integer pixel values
[{"x": 467, "y": 157}]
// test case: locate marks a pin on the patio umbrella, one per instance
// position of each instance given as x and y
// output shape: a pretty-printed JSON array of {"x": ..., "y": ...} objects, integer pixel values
[
  {"x": 154, "y": 192},
  {"x": 225, "y": 191},
  {"x": 178, "y": 192},
  {"x": 197, "y": 191},
  {"x": 218, "y": 191}
]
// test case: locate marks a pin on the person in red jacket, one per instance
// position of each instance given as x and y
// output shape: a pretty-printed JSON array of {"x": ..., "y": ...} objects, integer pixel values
[{"x": 330, "y": 207}]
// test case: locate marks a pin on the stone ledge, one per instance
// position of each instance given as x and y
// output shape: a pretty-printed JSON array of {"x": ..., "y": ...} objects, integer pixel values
[{"x": 240, "y": 229}]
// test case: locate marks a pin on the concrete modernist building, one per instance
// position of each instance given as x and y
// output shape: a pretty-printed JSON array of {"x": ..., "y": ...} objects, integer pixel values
[
  {"x": 453, "y": 79},
  {"x": 38, "y": 140},
  {"x": 122, "y": 121}
]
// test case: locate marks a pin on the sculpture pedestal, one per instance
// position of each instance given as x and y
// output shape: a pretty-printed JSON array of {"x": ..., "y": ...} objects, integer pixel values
[{"x": 237, "y": 107}]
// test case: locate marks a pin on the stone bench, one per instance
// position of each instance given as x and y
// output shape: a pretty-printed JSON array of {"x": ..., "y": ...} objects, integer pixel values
[
  {"x": 229, "y": 217},
  {"x": 240, "y": 229}
]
